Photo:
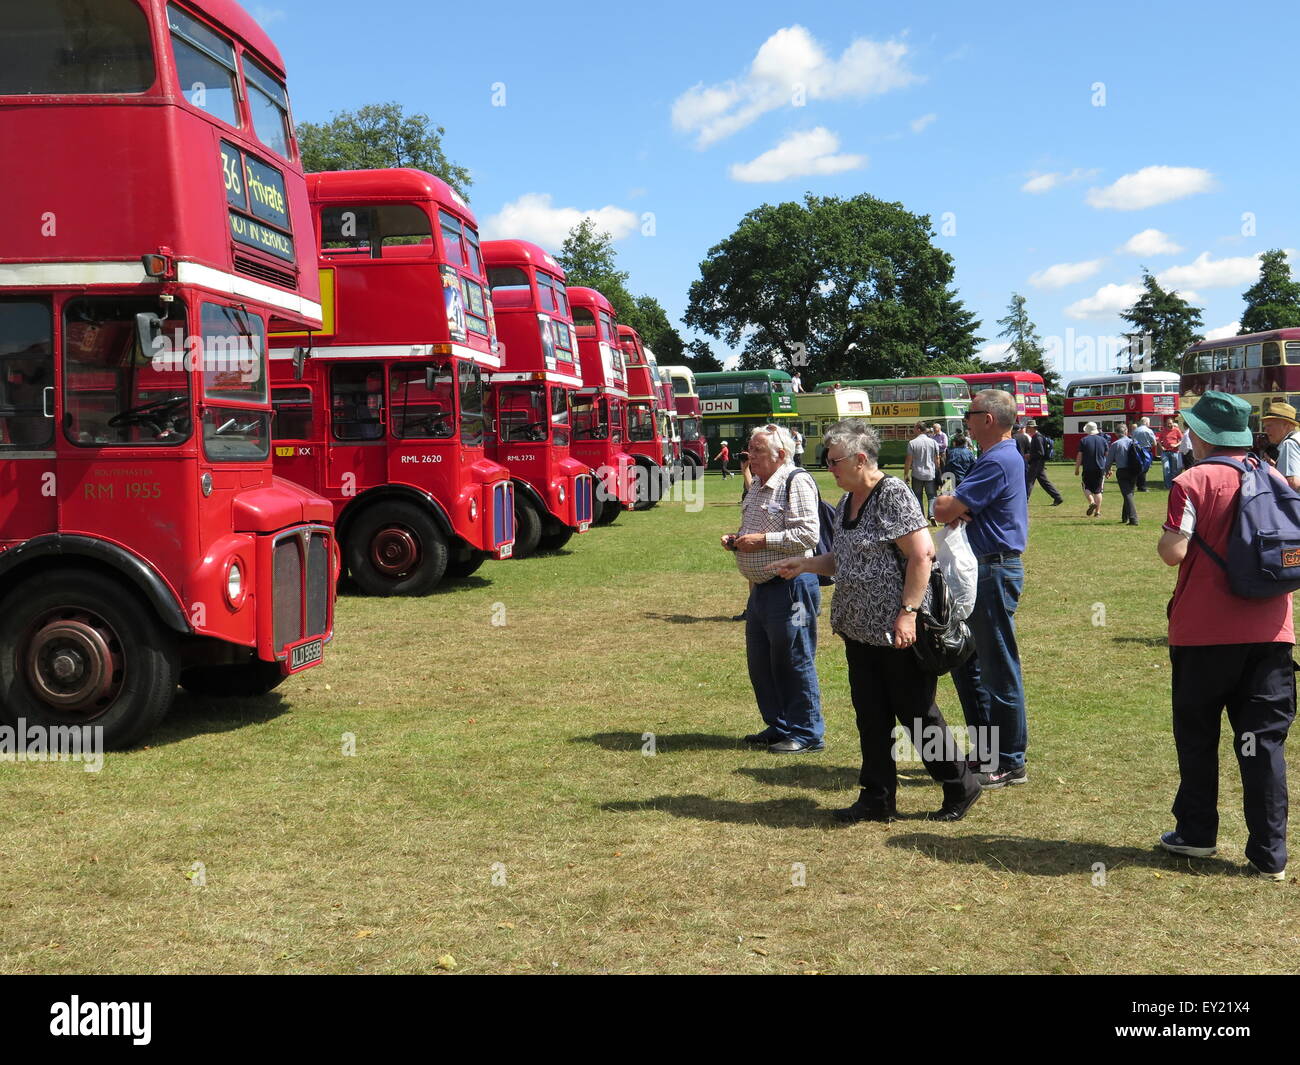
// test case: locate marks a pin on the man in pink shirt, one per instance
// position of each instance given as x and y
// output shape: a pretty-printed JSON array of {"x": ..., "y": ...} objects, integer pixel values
[{"x": 1226, "y": 652}]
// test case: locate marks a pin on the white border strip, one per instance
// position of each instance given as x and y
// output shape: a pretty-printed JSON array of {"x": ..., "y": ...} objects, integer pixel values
[
  {"x": 389, "y": 351},
  {"x": 19, "y": 275},
  {"x": 550, "y": 375}
]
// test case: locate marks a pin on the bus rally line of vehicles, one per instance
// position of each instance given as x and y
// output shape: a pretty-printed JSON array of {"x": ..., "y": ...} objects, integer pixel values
[
  {"x": 1113, "y": 400},
  {"x": 384, "y": 410},
  {"x": 144, "y": 540},
  {"x": 898, "y": 404},
  {"x": 532, "y": 396},
  {"x": 818, "y": 411}
]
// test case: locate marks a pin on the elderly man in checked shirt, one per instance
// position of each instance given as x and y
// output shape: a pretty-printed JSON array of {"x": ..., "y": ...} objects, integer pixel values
[{"x": 779, "y": 520}]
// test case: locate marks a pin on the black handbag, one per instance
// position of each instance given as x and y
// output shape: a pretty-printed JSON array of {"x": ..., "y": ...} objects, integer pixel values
[{"x": 943, "y": 642}]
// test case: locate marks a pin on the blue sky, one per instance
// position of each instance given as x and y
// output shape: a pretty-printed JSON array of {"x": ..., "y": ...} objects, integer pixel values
[{"x": 1057, "y": 149}]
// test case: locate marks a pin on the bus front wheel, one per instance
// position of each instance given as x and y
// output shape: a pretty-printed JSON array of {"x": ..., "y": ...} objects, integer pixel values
[
  {"x": 83, "y": 650},
  {"x": 528, "y": 527},
  {"x": 396, "y": 549},
  {"x": 553, "y": 541},
  {"x": 469, "y": 564}
]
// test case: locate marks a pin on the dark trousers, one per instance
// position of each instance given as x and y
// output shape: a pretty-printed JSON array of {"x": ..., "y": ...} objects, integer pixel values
[
  {"x": 888, "y": 685},
  {"x": 1255, "y": 682},
  {"x": 1126, "y": 490},
  {"x": 1034, "y": 472}
]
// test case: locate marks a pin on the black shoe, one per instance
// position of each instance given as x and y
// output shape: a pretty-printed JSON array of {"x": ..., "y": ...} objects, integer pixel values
[
  {"x": 1132, "y": 523},
  {"x": 954, "y": 811},
  {"x": 738, "y": 617},
  {"x": 796, "y": 747},
  {"x": 767, "y": 737},
  {"x": 1000, "y": 778},
  {"x": 851, "y": 815},
  {"x": 1057, "y": 501}
]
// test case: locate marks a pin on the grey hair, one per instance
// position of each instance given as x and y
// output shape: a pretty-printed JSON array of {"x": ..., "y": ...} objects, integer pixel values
[
  {"x": 1001, "y": 405},
  {"x": 1146, "y": 421},
  {"x": 856, "y": 437},
  {"x": 777, "y": 439}
]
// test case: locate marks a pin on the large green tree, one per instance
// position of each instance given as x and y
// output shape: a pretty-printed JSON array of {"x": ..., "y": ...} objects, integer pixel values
[
  {"x": 377, "y": 137},
  {"x": 1168, "y": 319},
  {"x": 1272, "y": 302},
  {"x": 1024, "y": 346},
  {"x": 701, "y": 358},
  {"x": 589, "y": 260},
  {"x": 841, "y": 288}
]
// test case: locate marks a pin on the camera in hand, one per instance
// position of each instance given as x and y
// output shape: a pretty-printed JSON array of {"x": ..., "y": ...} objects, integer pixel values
[{"x": 743, "y": 456}]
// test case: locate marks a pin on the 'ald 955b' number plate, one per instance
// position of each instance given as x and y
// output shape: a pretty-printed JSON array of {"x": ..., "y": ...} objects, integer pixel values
[{"x": 306, "y": 655}]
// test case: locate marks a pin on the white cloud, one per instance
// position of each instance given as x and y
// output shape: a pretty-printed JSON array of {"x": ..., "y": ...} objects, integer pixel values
[
  {"x": 1206, "y": 272},
  {"x": 1150, "y": 186},
  {"x": 1106, "y": 302},
  {"x": 1150, "y": 242},
  {"x": 533, "y": 217},
  {"x": 1223, "y": 331},
  {"x": 810, "y": 152},
  {"x": 918, "y": 124},
  {"x": 993, "y": 352},
  {"x": 1063, "y": 274},
  {"x": 1039, "y": 182},
  {"x": 790, "y": 67}
]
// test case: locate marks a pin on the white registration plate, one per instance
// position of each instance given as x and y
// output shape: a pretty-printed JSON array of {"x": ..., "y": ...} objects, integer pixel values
[{"x": 306, "y": 654}]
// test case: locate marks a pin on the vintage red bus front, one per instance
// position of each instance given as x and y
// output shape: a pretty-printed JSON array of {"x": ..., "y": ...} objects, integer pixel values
[
  {"x": 532, "y": 395},
  {"x": 387, "y": 413}
]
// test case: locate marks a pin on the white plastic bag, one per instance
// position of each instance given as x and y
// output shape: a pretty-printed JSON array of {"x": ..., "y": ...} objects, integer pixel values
[{"x": 960, "y": 570}]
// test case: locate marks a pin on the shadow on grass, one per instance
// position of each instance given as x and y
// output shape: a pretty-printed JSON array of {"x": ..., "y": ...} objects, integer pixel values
[
  {"x": 823, "y": 777},
  {"x": 349, "y": 589},
  {"x": 775, "y": 813},
  {"x": 1048, "y": 857},
  {"x": 1144, "y": 641},
  {"x": 200, "y": 715},
  {"x": 683, "y": 619},
  {"x": 664, "y": 742}
]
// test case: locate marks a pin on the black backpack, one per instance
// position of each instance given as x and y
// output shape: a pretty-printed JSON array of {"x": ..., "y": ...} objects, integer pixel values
[{"x": 826, "y": 523}]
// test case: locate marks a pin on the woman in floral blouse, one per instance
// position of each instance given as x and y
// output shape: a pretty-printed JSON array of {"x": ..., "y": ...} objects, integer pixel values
[{"x": 878, "y": 525}]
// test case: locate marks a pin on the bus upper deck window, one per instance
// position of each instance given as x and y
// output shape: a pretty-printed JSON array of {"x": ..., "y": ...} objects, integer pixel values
[
  {"x": 65, "y": 47},
  {"x": 510, "y": 288},
  {"x": 545, "y": 293},
  {"x": 370, "y": 230},
  {"x": 205, "y": 65},
  {"x": 451, "y": 234},
  {"x": 269, "y": 105},
  {"x": 1292, "y": 352}
]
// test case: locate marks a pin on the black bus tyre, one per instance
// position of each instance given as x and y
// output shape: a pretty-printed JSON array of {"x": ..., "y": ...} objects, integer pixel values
[
  {"x": 610, "y": 509},
  {"x": 396, "y": 549},
  {"x": 83, "y": 650},
  {"x": 690, "y": 466},
  {"x": 649, "y": 486},
  {"x": 457, "y": 569},
  {"x": 245, "y": 680},
  {"x": 528, "y": 527},
  {"x": 553, "y": 541}
]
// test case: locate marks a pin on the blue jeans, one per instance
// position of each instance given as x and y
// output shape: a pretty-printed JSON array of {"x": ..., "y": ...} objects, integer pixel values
[
  {"x": 781, "y": 645},
  {"x": 924, "y": 489},
  {"x": 989, "y": 683},
  {"x": 1173, "y": 464}
]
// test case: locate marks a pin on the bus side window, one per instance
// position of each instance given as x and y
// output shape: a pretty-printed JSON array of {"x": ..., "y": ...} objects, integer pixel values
[
  {"x": 357, "y": 402},
  {"x": 293, "y": 413},
  {"x": 26, "y": 371}
]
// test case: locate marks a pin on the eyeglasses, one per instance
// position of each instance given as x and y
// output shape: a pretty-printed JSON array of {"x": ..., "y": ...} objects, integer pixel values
[
  {"x": 967, "y": 414},
  {"x": 832, "y": 463}
]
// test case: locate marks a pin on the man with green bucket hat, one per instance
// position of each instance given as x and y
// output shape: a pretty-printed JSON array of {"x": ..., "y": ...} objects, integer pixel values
[{"x": 1226, "y": 652}]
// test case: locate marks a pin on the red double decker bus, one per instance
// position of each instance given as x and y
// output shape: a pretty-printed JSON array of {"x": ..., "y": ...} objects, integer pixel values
[
  {"x": 1028, "y": 388},
  {"x": 386, "y": 414},
  {"x": 649, "y": 421},
  {"x": 600, "y": 407},
  {"x": 159, "y": 215},
  {"x": 532, "y": 393},
  {"x": 1118, "y": 399},
  {"x": 695, "y": 456}
]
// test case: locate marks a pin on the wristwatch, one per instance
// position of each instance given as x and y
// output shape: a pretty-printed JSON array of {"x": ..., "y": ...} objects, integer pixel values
[{"x": 911, "y": 609}]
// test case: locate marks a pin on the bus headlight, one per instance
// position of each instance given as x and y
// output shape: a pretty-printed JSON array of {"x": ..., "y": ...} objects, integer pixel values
[
  {"x": 473, "y": 510},
  {"x": 235, "y": 591},
  {"x": 562, "y": 494}
]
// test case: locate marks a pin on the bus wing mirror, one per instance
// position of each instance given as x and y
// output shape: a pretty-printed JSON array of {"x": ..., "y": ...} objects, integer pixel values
[
  {"x": 148, "y": 328},
  {"x": 430, "y": 379},
  {"x": 299, "y": 362}
]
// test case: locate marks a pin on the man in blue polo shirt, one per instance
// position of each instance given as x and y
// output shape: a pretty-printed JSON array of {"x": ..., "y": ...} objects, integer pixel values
[{"x": 991, "y": 499}]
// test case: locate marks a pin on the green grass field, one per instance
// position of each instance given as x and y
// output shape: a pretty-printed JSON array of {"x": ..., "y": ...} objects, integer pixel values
[{"x": 499, "y": 807}]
